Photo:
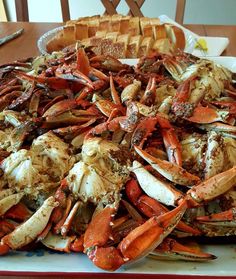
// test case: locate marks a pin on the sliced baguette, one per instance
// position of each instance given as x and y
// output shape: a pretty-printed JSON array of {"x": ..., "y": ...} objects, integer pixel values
[
  {"x": 134, "y": 27},
  {"x": 124, "y": 40},
  {"x": 81, "y": 31},
  {"x": 155, "y": 21},
  {"x": 144, "y": 21},
  {"x": 163, "y": 46},
  {"x": 145, "y": 46},
  {"x": 106, "y": 46},
  {"x": 112, "y": 35},
  {"x": 159, "y": 32},
  {"x": 133, "y": 46},
  {"x": 148, "y": 31},
  {"x": 176, "y": 36},
  {"x": 124, "y": 25},
  {"x": 69, "y": 33}
]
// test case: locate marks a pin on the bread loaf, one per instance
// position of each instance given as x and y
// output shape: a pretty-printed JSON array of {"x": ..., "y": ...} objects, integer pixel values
[{"x": 120, "y": 36}]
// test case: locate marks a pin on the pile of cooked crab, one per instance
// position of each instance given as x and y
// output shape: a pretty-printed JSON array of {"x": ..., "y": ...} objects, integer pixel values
[{"x": 116, "y": 161}]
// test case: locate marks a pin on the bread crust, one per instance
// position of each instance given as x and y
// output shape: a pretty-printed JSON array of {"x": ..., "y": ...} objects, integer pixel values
[{"x": 120, "y": 36}]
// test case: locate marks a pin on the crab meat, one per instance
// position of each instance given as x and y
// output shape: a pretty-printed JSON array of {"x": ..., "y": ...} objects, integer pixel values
[
  {"x": 38, "y": 169},
  {"x": 101, "y": 173}
]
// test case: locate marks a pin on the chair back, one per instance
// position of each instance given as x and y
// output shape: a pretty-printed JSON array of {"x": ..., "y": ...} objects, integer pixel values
[{"x": 22, "y": 13}]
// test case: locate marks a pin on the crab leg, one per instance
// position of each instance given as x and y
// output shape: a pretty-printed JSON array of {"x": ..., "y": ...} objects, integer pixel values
[
  {"x": 67, "y": 224},
  {"x": 149, "y": 94},
  {"x": 28, "y": 231},
  {"x": 114, "y": 93},
  {"x": 171, "y": 142},
  {"x": 205, "y": 115},
  {"x": 151, "y": 207},
  {"x": 228, "y": 215},
  {"x": 212, "y": 187},
  {"x": 154, "y": 187},
  {"x": 142, "y": 240},
  {"x": 214, "y": 157},
  {"x": 218, "y": 127},
  {"x": 138, "y": 243},
  {"x": 170, "y": 249},
  {"x": 169, "y": 170}
]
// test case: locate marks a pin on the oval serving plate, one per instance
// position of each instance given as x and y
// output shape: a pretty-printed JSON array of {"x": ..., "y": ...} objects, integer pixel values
[{"x": 45, "y": 38}]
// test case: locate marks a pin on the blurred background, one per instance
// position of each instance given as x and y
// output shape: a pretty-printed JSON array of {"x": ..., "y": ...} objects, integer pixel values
[{"x": 196, "y": 11}]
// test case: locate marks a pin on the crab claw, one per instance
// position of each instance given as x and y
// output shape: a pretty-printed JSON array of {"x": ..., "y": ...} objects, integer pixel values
[
  {"x": 54, "y": 82},
  {"x": 228, "y": 215},
  {"x": 151, "y": 207},
  {"x": 107, "y": 258},
  {"x": 82, "y": 61},
  {"x": 149, "y": 94},
  {"x": 171, "y": 171},
  {"x": 154, "y": 187},
  {"x": 205, "y": 115},
  {"x": 143, "y": 130},
  {"x": 29, "y": 230},
  {"x": 142, "y": 240},
  {"x": 212, "y": 187},
  {"x": 170, "y": 249},
  {"x": 97, "y": 235}
]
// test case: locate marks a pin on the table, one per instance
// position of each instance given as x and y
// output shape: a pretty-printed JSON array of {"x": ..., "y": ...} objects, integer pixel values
[{"x": 26, "y": 45}]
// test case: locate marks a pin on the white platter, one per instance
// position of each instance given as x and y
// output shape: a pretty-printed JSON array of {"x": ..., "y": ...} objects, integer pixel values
[{"x": 47, "y": 263}]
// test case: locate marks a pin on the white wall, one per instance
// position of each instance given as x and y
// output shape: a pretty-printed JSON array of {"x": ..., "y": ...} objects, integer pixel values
[
  {"x": 210, "y": 12},
  {"x": 197, "y": 11}
]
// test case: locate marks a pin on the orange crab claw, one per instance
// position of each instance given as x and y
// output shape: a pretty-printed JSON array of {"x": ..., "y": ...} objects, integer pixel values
[
  {"x": 83, "y": 64},
  {"x": 114, "y": 93},
  {"x": 96, "y": 236},
  {"x": 170, "y": 249},
  {"x": 143, "y": 130},
  {"x": 78, "y": 244},
  {"x": 142, "y": 240},
  {"x": 60, "y": 107},
  {"x": 212, "y": 187},
  {"x": 171, "y": 142},
  {"x": 54, "y": 82},
  {"x": 149, "y": 94},
  {"x": 97, "y": 84},
  {"x": 99, "y": 229},
  {"x": 107, "y": 258},
  {"x": 151, "y": 207},
  {"x": 205, "y": 115},
  {"x": 228, "y": 215},
  {"x": 171, "y": 171}
]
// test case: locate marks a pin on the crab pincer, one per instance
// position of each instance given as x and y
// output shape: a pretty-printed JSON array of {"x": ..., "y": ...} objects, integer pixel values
[{"x": 137, "y": 244}]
